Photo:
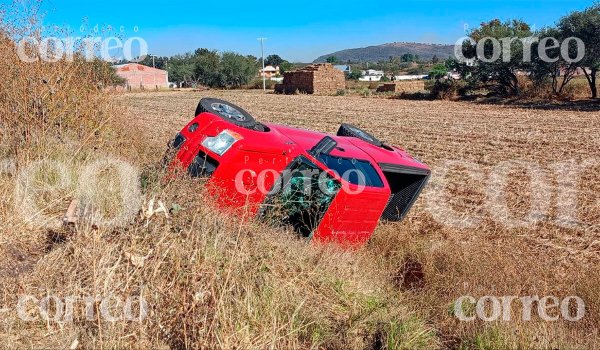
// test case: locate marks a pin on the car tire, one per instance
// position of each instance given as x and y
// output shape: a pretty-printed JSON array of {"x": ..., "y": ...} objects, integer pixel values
[
  {"x": 347, "y": 130},
  {"x": 226, "y": 110}
]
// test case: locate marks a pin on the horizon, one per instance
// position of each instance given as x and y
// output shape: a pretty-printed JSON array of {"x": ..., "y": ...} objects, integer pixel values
[{"x": 299, "y": 33}]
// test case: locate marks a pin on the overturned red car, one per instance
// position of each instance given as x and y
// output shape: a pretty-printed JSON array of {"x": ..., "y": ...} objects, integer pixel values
[{"x": 329, "y": 188}]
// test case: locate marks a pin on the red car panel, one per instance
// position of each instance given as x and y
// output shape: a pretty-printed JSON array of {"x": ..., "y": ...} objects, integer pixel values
[{"x": 241, "y": 177}]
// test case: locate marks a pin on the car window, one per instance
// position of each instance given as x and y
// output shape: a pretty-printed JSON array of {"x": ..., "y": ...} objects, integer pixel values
[{"x": 355, "y": 171}]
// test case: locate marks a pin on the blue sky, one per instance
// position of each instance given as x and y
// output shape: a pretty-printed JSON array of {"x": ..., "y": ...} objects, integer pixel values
[{"x": 296, "y": 30}]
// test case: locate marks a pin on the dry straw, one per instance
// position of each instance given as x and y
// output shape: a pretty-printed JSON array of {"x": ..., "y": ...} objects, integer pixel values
[{"x": 222, "y": 280}]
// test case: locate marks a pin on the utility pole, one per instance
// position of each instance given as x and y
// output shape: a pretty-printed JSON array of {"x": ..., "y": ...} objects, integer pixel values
[{"x": 262, "y": 53}]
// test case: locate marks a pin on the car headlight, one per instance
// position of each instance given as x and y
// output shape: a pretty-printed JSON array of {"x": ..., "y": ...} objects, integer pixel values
[{"x": 222, "y": 142}]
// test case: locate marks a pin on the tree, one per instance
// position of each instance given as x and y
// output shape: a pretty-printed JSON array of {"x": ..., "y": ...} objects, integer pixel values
[
  {"x": 435, "y": 59},
  {"x": 237, "y": 70},
  {"x": 585, "y": 25},
  {"x": 354, "y": 74},
  {"x": 181, "y": 68},
  {"x": 332, "y": 59},
  {"x": 155, "y": 61},
  {"x": 496, "y": 74},
  {"x": 438, "y": 71},
  {"x": 104, "y": 74},
  {"x": 273, "y": 60},
  {"x": 276, "y": 60},
  {"x": 407, "y": 57},
  {"x": 207, "y": 68},
  {"x": 558, "y": 70},
  {"x": 285, "y": 66}
]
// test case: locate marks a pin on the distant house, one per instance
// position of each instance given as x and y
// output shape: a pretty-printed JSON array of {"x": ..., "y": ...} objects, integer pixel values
[
  {"x": 269, "y": 72},
  {"x": 372, "y": 72},
  {"x": 371, "y": 75},
  {"x": 138, "y": 76},
  {"x": 344, "y": 68}
]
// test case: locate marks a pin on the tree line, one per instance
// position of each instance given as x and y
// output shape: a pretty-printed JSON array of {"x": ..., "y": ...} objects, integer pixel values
[{"x": 213, "y": 68}]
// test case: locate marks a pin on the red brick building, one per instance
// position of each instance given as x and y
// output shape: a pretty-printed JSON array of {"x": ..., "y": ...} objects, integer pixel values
[{"x": 138, "y": 76}]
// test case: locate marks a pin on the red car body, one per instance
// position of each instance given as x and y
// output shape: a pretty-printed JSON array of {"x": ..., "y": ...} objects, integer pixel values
[{"x": 241, "y": 177}]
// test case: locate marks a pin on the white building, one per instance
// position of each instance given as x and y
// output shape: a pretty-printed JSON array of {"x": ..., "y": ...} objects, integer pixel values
[{"x": 371, "y": 75}]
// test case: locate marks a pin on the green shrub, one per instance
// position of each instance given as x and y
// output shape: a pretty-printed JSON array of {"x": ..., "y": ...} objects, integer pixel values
[
  {"x": 257, "y": 83},
  {"x": 446, "y": 89}
]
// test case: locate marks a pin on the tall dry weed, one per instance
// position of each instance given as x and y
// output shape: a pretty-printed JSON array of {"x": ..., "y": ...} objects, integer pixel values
[{"x": 61, "y": 100}]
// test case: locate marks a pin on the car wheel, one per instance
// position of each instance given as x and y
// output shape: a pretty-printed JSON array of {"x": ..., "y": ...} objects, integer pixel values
[
  {"x": 226, "y": 110},
  {"x": 352, "y": 131}
]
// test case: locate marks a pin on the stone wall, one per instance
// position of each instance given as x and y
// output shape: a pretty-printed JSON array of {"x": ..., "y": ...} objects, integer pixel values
[
  {"x": 402, "y": 86},
  {"x": 320, "y": 79}
]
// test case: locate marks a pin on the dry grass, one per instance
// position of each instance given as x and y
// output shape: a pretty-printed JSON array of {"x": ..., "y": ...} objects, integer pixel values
[
  {"x": 212, "y": 280},
  {"x": 488, "y": 259},
  {"x": 209, "y": 280},
  {"x": 576, "y": 89}
]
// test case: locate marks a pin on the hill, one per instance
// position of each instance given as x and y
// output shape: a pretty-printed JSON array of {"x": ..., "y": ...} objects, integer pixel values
[{"x": 384, "y": 51}]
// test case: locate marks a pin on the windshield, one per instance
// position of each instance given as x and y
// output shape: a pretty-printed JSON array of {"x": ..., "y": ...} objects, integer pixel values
[{"x": 355, "y": 171}]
